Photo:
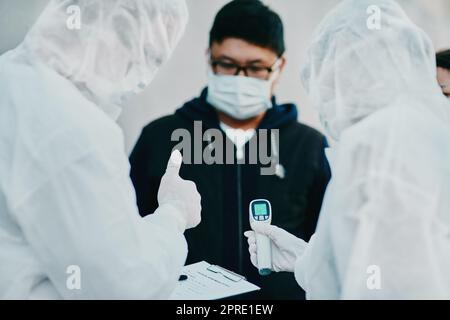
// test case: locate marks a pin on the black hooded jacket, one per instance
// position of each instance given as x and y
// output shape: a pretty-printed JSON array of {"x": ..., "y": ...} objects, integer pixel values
[{"x": 228, "y": 189}]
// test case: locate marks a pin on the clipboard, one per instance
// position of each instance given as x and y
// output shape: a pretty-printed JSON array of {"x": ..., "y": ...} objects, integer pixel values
[{"x": 210, "y": 282}]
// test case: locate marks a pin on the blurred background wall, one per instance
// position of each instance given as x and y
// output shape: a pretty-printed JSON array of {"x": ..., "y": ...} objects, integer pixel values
[{"x": 184, "y": 75}]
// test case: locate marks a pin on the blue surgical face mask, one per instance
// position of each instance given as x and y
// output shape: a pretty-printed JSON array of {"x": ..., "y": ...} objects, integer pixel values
[{"x": 238, "y": 96}]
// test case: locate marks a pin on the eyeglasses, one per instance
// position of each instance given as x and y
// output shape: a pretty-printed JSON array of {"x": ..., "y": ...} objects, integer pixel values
[{"x": 228, "y": 68}]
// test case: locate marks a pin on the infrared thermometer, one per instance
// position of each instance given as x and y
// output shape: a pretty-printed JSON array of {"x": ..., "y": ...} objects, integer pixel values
[{"x": 261, "y": 213}]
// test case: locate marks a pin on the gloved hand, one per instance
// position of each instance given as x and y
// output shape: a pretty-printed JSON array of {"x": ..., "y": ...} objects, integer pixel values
[
  {"x": 286, "y": 248},
  {"x": 180, "y": 196}
]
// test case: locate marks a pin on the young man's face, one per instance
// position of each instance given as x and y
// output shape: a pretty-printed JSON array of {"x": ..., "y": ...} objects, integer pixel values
[
  {"x": 443, "y": 76},
  {"x": 236, "y": 52}
]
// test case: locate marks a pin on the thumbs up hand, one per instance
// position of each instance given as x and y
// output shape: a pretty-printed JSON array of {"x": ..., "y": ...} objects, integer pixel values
[{"x": 181, "y": 195}]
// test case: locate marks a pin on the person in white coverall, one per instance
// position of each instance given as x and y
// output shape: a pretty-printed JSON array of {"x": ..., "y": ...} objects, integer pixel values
[
  {"x": 384, "y": 228},
  {"x": 67, "y": 206}
]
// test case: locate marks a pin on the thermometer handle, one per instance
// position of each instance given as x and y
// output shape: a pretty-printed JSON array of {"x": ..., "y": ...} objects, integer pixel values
[{"x": 264, "y": 253}]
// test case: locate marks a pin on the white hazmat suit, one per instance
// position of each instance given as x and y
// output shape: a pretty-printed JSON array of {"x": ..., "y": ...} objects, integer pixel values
[
  {"x": 384, "y": 228},
  {"x": 69, "y": 225}
]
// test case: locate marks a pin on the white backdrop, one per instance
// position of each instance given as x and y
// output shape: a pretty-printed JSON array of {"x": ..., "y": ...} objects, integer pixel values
[{"x": 185, "y": 74}]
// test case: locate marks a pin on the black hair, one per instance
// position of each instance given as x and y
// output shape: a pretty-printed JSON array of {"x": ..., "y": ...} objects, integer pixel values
[
  {"x": 251, "y": 21},
  {"x": 443, "y": 59}
]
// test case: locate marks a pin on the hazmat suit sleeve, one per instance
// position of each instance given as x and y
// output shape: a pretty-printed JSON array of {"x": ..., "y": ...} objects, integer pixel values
[{"x": 85, "y": 216}]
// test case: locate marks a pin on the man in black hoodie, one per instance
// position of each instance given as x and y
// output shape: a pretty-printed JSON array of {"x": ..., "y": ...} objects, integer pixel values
[{"x": 238, "y": 108}]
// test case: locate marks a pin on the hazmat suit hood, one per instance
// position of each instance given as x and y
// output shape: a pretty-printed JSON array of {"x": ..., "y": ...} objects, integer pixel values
[
  {"x": 108, "y": 49},
  {"x": 367, "y": 55}
]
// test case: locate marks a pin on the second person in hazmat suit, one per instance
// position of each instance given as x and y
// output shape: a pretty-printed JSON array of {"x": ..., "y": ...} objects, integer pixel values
[
  {"x": 384, "y": 228},
  {"x": 67, "y": 205}
]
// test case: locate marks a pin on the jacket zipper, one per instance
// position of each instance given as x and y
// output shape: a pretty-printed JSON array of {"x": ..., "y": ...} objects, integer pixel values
[{"x": 240, "y": 224}]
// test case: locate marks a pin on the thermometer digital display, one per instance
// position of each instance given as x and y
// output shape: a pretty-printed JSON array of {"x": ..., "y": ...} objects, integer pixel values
[{"x": 261, "y": 213}]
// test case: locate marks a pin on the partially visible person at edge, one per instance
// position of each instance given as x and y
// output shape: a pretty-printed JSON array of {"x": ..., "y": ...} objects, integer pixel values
[{"x": 443, "y": 71}]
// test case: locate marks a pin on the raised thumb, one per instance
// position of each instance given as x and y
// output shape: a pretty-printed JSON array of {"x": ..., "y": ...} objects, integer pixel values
[{"x": 174, "y": 164}]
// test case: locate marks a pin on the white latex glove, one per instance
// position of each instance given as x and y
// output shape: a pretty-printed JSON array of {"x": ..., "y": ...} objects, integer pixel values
[
  {"x": 179, "y": 197},
  {"x": 286, "y": 248}
]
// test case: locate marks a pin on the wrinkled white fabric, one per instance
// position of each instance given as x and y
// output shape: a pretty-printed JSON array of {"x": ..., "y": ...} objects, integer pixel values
[
  {"x": 353, "y": 71},
  {"x": 180, "y": 194},
  {"x": 387, "y": 207},
  {"x": 117, "y": 50},
  {"x": 65, "y": 194}
]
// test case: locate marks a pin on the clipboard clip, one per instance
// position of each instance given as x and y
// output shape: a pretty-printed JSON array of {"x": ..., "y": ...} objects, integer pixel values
[{"x": 230, "y": 275}]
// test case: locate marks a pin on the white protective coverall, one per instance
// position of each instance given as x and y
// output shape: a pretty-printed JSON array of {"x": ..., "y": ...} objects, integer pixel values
[
  {"x": 384, "y": 228},
  {"x": 386, "y": 211},
  {"x": 66, "y": 200}
]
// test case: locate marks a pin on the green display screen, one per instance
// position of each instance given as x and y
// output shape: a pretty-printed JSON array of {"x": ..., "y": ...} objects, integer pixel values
[{"x": 260, "y": 209}]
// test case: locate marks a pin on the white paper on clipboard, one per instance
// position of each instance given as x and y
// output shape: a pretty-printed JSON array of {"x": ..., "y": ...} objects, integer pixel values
[{"x": 210, "y": 282}]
